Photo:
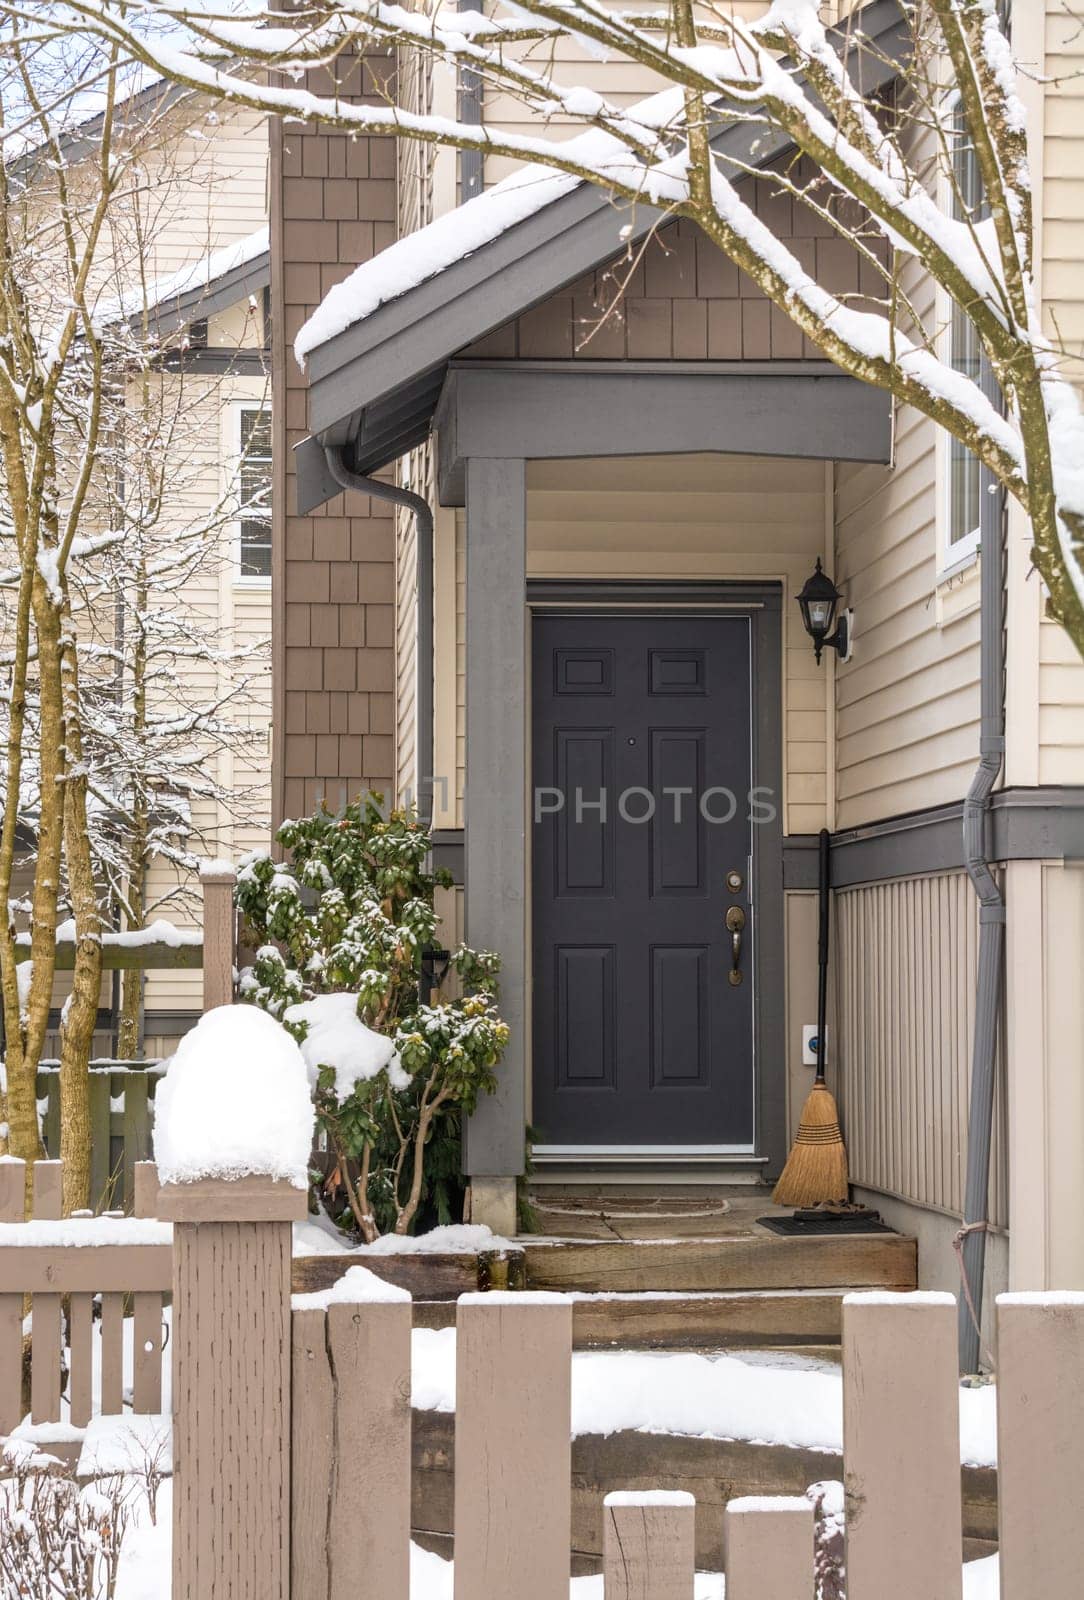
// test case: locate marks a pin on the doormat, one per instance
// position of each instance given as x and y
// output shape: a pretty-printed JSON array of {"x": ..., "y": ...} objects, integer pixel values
[{"x": 810, "y": 1223}]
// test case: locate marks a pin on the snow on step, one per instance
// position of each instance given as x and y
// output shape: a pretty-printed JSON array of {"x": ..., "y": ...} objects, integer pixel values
[{"x": 782, "y": 1401}]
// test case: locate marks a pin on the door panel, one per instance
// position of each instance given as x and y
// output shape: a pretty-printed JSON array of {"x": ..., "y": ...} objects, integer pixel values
[{"x": 642, "y": 775}]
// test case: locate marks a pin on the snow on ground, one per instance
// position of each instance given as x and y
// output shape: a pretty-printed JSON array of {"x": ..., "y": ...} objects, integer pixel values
[
  {"x": 235, "y": 1101},
  {"x": 708, "y": 1397},
  {"x": 129, "y": 1443},
  {"x": 144, "y": 1568},
  {"x": 318, "y": 1236}
]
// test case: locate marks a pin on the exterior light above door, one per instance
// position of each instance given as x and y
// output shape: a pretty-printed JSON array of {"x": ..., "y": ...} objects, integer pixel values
[{"x": 818, "y": 602}]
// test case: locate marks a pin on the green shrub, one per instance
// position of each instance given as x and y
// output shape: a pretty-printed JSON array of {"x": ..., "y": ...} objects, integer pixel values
[{"x": 351, "y": 913}]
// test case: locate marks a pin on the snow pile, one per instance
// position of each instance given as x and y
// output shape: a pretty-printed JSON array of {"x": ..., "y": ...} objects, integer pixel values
[
  {"x": 703, "y": 1397},
  {"x": 456, "y": 1238},
  {"x": 234, "y": 1102},
  {"x": 358, "y": 1286},
  {"x": 128, "y": 1443},
  {"x": 338, "y": 1038}
]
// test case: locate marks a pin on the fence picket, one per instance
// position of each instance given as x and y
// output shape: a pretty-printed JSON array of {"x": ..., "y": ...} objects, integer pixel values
[
  {"x": 146, "y": 1306},
  {"x": 312, "y": 1451},
  {"x": 370, "y": 1357},
  {"x": 112, "y": 1354},
  {"x": 137, "y": 1129},
  {"x": 769, "y": 1549},
  {"x": 513, "y": 1446},
  {"x": 1040, "y": 1444},
  {"x": 12, "y": 1209},
  {"x": 649, "y": 1546},
  {"x": 901, "y": 1447},
  {"x": 81, "y": 1342},
  {"x": 100, "y": 1163},
  {"x": 45, "y": 1326}
]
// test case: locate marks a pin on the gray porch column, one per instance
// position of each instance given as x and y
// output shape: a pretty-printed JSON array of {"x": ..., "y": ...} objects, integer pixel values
[{"x": 495, "y": 809}]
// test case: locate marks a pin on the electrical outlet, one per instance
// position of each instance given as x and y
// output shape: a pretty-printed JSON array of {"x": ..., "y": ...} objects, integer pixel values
[{"x": 809, "y": 1043}]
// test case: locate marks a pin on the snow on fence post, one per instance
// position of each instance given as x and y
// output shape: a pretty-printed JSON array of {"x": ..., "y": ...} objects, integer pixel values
[
  {"x": 648, "y": 1545},
  {"x": 769, "y": 1549},
  {"x": 219, "y": 922},
  {"x": 351, "y": 1405},
  {"x": 46, "y": 1332},
  {"x": 513, "y": 1455},
  {"x": 233, "y": 1135},
  {"x": 901, "y": 1447},
  {"x": 12, "y": 1209},
  {"x": 1040, "y": 1443}
]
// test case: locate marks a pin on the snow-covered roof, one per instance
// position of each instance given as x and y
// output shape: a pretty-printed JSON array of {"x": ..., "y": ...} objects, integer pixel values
[
  {"x": 377, "y": 347},
  {"x": 202, "y": 287}
]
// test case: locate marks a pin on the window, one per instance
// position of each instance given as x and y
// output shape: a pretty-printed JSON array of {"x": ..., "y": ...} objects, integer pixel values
[
  {"x": 963, "y": 468},
  {"x": 254, "y": 553}
]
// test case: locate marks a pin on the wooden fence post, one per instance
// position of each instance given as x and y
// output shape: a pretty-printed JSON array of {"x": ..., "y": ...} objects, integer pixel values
[
  {"x": 219, "y": 923},
  {"x": 146, "y": 1306},
  {"x": 901, "y": 1447},
  {"x": 45, "y": 1324},
  {"x": 1040, "y": 1444},
  {"x": 513, "y": 1456},
  {"x": 769, "y": 1549},
  {"x": 351, "y": 1405},
  {"x": 648, "y": 1546},
  {"x": 231, "y": 1386},
  {"x": 12, "y": 1209}
]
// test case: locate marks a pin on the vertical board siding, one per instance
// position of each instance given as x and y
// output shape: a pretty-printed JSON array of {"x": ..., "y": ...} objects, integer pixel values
[{"x": 907, "y": 963}]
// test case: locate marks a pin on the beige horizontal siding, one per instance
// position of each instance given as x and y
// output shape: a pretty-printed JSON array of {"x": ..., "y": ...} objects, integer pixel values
[{"x": 906, "y": 966}]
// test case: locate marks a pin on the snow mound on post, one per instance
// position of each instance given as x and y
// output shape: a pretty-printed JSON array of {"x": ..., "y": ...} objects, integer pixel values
[
  {"x": 338, "y": 1038},
  {"x": 234, "y": 1102}
]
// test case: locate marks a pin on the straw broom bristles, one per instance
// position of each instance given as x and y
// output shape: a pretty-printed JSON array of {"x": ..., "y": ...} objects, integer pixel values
[{"x": 816, "y": 1168}]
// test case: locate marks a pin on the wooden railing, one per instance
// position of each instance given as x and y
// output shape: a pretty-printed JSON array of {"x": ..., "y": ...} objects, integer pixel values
[
  {"x": 75, "y": 1273},
  {"x": 121, "y": 1123}
]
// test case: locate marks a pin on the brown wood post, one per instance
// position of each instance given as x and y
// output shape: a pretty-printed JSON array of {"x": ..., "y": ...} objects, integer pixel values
[
  {"x": 351, "y": 1376},
  {"x": 901, "y": 1447},
  {"x": 513, "y": 1473},
  {"x": 12, "y": 1209},
  {"x": 45, "y": 1324},
  {"x": 219, "y": 924},
  {"x": 648, "y": 1546},
  {"x": 231, "y": 1386},
  {"x": 1040, "y": 1444},
  {"x": 769, "y": 1549}
]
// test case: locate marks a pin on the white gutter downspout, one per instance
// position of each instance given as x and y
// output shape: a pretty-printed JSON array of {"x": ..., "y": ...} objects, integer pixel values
[
  {"x": 423, "y": 522},
  {"x": 991, "y": 903}
]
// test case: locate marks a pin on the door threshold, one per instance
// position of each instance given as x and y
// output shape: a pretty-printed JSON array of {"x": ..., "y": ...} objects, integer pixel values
[
  {"x": 654, "y": 1154},
  {"x": 635, "y": 1166}
]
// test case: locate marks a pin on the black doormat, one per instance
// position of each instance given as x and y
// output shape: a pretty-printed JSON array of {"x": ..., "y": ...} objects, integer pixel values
[{"x": 809, "y": 1223}]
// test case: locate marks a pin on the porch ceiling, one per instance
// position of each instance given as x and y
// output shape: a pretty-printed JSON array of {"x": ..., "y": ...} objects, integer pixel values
[{"x": 374, "y": 388}]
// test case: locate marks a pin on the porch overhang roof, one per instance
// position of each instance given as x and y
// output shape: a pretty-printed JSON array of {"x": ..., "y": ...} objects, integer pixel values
[{"x": 374, "y": 388}]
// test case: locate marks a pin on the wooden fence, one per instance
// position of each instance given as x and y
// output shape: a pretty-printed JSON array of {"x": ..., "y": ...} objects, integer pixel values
[
  {"x": 72, "y": 1270},
  {"x": 121, "y": 1122}
]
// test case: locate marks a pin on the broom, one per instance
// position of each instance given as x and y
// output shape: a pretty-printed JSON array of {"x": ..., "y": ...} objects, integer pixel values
[{"x": 816, "y": 1169}]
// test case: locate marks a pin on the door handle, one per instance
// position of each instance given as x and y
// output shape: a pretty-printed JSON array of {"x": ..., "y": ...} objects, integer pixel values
[{"x": 735, "y": 921}]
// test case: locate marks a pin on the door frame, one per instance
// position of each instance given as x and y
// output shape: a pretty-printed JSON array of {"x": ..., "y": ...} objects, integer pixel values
[{"x": 762, "y": 603}]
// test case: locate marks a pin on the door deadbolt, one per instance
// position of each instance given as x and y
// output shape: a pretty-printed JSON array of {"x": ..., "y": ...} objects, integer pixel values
[{"x": 734, "y": 881}]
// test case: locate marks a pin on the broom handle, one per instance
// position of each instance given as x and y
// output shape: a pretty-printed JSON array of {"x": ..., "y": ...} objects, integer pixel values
[{"x": 824, "y": 897}]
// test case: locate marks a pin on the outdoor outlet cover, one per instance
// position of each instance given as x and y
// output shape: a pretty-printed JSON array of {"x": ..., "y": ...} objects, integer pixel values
[{"x": 809, "y": 1043}]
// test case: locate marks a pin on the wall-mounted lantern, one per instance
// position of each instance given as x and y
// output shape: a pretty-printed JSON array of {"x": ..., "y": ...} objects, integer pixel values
[{"x": 818, "y": 602}]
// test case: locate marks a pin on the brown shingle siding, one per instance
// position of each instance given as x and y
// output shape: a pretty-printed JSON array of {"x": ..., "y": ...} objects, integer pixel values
[{"x": 333, "y": 205}]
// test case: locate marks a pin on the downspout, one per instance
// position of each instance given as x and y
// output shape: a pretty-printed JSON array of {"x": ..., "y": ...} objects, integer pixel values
[
  {"x": 423, "y": 692},
  {"x": 972, "y": 1236}
]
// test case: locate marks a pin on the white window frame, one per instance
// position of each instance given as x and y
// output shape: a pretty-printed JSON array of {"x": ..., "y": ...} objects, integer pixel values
[
  {"x": 953, "y": 556},
  {"x": 236, "y": 409}
]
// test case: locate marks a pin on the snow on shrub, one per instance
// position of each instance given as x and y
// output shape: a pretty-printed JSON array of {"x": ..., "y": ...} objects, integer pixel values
[{"x": 340, "y": 931}]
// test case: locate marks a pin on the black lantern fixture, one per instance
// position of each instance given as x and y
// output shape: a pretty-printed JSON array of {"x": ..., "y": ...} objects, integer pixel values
[{"x": 818, "y": 602}]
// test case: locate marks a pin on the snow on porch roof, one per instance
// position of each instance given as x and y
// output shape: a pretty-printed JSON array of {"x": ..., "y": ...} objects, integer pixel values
[{"x": 377, "y": 348}]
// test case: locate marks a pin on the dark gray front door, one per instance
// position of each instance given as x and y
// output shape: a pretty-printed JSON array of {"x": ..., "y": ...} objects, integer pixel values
[{"x": 641, "y": 809}]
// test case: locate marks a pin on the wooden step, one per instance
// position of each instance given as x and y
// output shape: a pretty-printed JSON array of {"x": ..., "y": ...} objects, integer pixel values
[
  {"x": 753, "y": 1260},
  {"x": 807, "y": 1320},
  {"x": 654, "y": 1321}
]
